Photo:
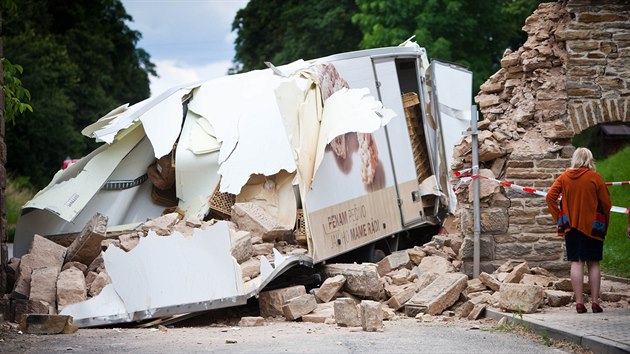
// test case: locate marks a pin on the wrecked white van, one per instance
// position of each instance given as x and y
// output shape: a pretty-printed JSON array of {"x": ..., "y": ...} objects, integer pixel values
[{"x": 346, "y": 155}]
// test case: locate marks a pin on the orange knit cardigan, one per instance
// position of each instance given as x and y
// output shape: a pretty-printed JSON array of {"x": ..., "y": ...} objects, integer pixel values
[{"x": 582, "y": 189}]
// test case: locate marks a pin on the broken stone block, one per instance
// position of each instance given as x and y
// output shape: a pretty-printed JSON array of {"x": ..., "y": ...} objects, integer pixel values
[
  {"x": 299, "y": 306},
  {"x": 250, "y": 268},
  {"x": 475, "y": 285},
  {"x": 254, "y": 218},
  {"x": 346, "y": 312},
  {"x": 22, "y": 287},
  {"x": 97, "y": 265},
  {"x": 396, "y": 260},
  {"x": 520, "y": 297},
  {"x": 47, "y": 324},
  {"x": 401, "y": 276},
  {"x": 251, "y": 321},
  {"x": 109, "y": 241},
  {"x": 80, "y": 266},
  {"x": 426, "y": 278},
  {"x": 439, "y": 295},
  {"x": 517, "y": 273},
  {"x": 361, "y": 279},
  {"x": 371, "y": 316},
  {"x": 87, "y": 245},
  {"x": 19, "y": 309},
  {"x": 489, "y": 281},
  {"x": 262, "y": 249},
  {"x": 505, "y": 267},
  {"x": 129, "y": 241},
  {"x": 89, "y": 278},
  {"x": 388, "y": 313},
  {"x": 44, "y": 285},
  {"x": 543, "y": 272},
  {"x": 47, "y": 253},
  {"x": 242, "y": 249},
  {"x": 42, "y": 307},
  {"x": 563, "y": 284},
  {"x": 416, "y": 254},
  {"x": 398, "y": 300},
  {"x": 323, "y": 313},
  {"x": 436, "y": 264},
  {"x": 71, "y": 288},
  {"x": 162, "y": 225},
  {"x": 101, "y": 280},
  {"x": 612, "y": 296},
  {"x": 532, "y": 279},
  {"x": 330, "y": 287},
  {"x": 557, "y": 298},
  {"x": 271, "y": 302},
  {"x": 477, "y": 311}
]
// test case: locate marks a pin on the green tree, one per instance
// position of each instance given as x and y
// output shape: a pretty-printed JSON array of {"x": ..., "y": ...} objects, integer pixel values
[
  {"x": 281, "y": 31},
  {"x": 15, "y": 95},
  {"x": 472, "y": 33},
  {"x": 81, "y": 61}
]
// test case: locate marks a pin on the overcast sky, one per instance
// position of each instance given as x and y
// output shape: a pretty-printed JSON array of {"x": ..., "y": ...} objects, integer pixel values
[{"x": 188, "y": 40}]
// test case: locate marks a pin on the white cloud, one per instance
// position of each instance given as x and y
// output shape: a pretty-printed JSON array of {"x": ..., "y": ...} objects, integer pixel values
[
  {"x": 188, "y": 40},
  {"x": 172, "y": 74}
]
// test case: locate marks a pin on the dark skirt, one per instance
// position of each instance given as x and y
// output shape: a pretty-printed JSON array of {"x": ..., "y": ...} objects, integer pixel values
[{"x": 581, "y": 248}]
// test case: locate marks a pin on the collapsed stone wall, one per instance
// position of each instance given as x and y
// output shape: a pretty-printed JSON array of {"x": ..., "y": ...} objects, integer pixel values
[{"x": 572, "y": 73}]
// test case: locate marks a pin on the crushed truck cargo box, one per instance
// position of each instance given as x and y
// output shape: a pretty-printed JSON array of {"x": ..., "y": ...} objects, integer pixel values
[{"x": 338, "y": 154}]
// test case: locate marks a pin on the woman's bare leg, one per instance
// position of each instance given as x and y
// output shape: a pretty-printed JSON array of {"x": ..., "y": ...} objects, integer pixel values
[
  {"x": 577, "y": 280},
  {"x": 594, "y": 279}
]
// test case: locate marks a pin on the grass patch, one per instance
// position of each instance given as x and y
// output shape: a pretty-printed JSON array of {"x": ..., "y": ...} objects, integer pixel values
[
  {"x": 616, "y": 168},
  {"x": 18, "y": 191}
]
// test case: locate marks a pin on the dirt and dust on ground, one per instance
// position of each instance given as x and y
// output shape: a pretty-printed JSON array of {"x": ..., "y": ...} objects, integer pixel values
[{"x": 218, "y": 331}]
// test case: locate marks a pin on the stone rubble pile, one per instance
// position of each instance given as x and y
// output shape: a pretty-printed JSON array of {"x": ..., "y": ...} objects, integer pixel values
[{"x": 421, "y": 282}]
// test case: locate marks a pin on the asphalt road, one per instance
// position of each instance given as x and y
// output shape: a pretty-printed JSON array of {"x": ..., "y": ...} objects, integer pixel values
[{"x": 405, "y": 335}]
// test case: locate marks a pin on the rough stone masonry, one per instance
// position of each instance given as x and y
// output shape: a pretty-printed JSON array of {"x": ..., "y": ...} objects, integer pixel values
[{"x": 572, "y": 73}]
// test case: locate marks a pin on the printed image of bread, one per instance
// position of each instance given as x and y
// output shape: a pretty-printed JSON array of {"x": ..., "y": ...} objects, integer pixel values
[
  {"x": 369, "y": 157},
  {"x": 338, "y": 146},
  {"x": 328, "y": 78}
]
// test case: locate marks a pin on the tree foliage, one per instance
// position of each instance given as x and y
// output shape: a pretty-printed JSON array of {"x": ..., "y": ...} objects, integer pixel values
[
  {"x": 471, "y": 33},
  {"x": 281, "y": 31},
  {"x": 80, "y": 61},
  {"x": 15, "y": 95}
]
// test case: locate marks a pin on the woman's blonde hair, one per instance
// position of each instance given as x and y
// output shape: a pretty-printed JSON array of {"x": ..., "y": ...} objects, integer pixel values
[{"x": 582, "y": 157}]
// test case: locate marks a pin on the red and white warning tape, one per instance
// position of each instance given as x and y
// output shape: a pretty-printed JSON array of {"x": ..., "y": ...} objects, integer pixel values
[
  {"x": 469, "y": 177},
  {"x": 624, "y": 183}
]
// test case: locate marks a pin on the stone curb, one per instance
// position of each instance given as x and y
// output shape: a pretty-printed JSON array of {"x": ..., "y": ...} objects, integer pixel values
[{"x": 596, "y": 344}]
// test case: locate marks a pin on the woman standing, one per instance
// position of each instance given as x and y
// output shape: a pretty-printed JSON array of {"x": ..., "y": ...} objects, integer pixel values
[{"x": 582, "y": 218}]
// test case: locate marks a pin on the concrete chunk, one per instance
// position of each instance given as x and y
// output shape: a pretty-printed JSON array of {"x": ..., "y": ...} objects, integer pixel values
[
  {"x": 346, "y": 312},
  {"x": 396, "y": 260},
  {"x": 330, "y": 287},
  {"x": 299, "y": 306},
  {"x": 439, "y": 295},
  {"x": 371, "y": 316},
  {"x": 271, "y": 302},
  {"x": 71, "y": 288},
  {"x": 361, "y": 279},
  {"x": 47, "y": 324},
  {"x": 520, "y": 297}
]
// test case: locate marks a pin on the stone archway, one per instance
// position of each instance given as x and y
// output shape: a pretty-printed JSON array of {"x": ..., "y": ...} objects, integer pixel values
[{"x": 572, "y": 73}]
